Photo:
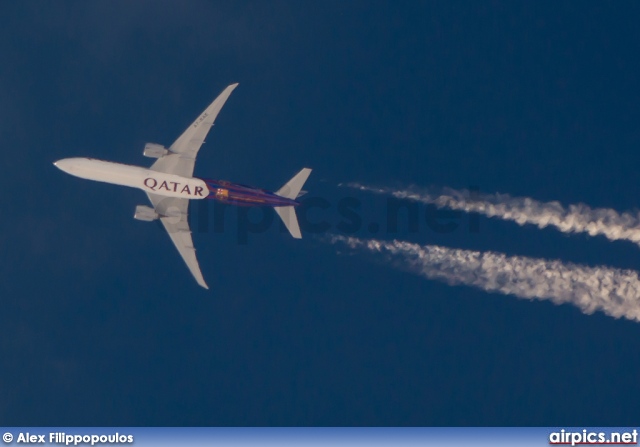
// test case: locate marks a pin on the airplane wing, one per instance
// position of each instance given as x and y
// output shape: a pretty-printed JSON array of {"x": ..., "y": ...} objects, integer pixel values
[
  {"x": 173, "y": 215},
  {"x": 181, "y": 158}
]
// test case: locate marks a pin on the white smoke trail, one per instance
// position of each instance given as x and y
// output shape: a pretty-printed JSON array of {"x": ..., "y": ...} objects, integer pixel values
[
  {"x": 575, "y": 219},
  {"x": 615, "y": 292}
]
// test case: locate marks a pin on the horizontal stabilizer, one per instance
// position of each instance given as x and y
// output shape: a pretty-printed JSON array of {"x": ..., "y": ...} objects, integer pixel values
[
  {"x": 293, "y": 186},
  {"x": 288, "y": 216}
]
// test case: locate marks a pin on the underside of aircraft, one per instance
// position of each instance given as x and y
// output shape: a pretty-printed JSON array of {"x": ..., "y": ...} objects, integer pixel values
[{"x": 170, "y": 185}]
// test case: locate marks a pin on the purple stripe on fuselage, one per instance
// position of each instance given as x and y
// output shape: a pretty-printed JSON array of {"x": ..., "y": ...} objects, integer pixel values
[{"x": 242, "y": 195}]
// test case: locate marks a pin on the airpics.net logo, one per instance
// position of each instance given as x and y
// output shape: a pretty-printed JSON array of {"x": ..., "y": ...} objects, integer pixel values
[
  {"x": 586, "y": 437},
  {"x": 317, "y": 215}
]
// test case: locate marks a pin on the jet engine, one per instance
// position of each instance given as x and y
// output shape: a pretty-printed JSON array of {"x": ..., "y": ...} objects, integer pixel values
[
  {"x": 145, "y": 213},
  {"x": 153, "y": 150}
]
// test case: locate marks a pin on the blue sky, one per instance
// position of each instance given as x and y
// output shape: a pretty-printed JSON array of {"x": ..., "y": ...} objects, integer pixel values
[{"x": 103, "y": 325}]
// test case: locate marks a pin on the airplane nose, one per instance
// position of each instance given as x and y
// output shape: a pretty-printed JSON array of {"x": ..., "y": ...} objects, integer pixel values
[{"x": 63, "y": 165}]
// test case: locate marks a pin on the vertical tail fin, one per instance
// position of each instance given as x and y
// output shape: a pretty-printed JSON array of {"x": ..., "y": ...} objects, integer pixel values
[{"x": 291, "y": 190}]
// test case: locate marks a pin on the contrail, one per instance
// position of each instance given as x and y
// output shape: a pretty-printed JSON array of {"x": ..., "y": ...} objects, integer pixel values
[
  {"x": 615, "y": 292},
  {"x": 573, "y": 219}
]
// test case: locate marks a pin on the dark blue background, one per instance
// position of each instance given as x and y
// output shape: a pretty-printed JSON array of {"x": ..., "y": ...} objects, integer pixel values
[{"x": 103, "y": 324}]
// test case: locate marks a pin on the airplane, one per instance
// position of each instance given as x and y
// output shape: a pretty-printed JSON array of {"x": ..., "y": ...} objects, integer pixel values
[{"x": 170, "y": 184}]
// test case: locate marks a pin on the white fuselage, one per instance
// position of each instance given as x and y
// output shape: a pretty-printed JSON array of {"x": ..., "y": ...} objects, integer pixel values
[{"x": 153, "y": 182}]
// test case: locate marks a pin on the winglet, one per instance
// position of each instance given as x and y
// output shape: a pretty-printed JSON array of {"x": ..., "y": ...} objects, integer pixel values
[{"x": 202, "y": 284}]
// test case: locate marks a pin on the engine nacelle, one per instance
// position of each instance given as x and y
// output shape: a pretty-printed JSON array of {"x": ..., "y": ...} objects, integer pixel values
[
  {"x": 145, "y": 213},
  {"x": 153, "y": 150}
]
